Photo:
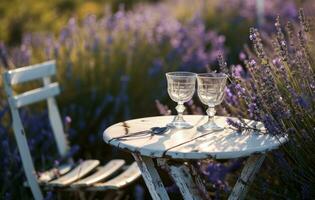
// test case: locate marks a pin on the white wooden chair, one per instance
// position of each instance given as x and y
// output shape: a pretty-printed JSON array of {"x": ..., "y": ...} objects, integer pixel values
[{"x": 87, "y": 175}]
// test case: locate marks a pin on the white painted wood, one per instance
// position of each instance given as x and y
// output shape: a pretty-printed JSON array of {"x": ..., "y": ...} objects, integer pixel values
[
  {"x": 248, "y": 174},
  {"x": 48, "y": 91},
  {"x": 189, "y": 143},
  {"x": 33, "y": 72},
  {"x": 25, "y": 155},
  {"x": 42, "y": 70},
  {"x": 24, "y": 150},
  {"x": 122, "y": 180},
  {"x": 184, "y": 181},
  {"x": 101, "y": 173},
  {"x": 56, "y": 122},
  {"x": 54, "y": 172},
  {"x": 36, "y": 95},
  {"x": 151, "y": 177},
  {"x": 198, "y": 181},
  {"x": 78, "y": 172}
]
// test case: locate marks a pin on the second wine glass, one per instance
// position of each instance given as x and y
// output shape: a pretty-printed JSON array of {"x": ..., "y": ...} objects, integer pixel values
[{"x": 211, "y": 93}]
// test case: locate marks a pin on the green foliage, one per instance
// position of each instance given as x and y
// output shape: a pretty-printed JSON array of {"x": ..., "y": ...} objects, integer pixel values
[{"x": 22, "y": 16}]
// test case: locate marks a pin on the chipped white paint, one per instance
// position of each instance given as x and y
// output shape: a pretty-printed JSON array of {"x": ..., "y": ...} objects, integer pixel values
[
  {"x": 184, "y": 180},
  {"x": 56, "y": 122},
  {"x": 32, "y": 72},
  {"x": 54, "y": 172},
  {"x": 198, "y": 181},
  {"x": 189, "y": 143},
  {"x": 78, "y": 172},
  {"x": 127, "y": 177},
  {"x": 151, "y": 177},
  {"x": 48, "y": 91},
  {"x": 36, "y": 95},
  {"x": 101, "y": 173},
  {"x": 131, "y": 174},
  {"x": 247, "y": 176},
  {"x": 191, "y": 185},
  {"x": 22, "y": 144},
  {"x": 22, "y": 75}
]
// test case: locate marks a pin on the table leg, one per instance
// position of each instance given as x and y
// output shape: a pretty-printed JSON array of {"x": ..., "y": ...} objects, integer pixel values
[
  {"x": 151, "y": 177},
  {"x": 186, "y": 179},
  {"x": 248, "y": 173},
  {"x": 199, "y": 182}
]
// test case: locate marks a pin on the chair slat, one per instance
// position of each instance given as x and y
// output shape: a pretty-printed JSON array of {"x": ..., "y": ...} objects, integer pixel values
[
  {"x": 122, "y": 180},
  {"x": 32, "y": 72},
  {"x": 56, "y": 123},
  {"x": 36, "y": 95},
  {"x": 78, "y": 172},
  {"x": 54, "y": 172},
  {"x": 101, "y": 174}
]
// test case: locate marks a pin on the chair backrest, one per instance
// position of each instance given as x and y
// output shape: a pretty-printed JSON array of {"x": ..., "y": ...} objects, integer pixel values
[{"x": 21, "y": 75}]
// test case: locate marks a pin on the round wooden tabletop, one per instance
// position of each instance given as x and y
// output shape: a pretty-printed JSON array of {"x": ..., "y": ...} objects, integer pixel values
[{"x": 189, "y": 143}]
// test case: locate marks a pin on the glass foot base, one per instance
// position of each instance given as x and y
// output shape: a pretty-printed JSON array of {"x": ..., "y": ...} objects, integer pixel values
[
  {"x": 209, "y": 127},
  {"x": 179, "y": 125}
]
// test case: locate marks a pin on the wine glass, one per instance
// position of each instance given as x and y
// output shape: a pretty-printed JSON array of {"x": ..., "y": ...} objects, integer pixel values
[
  {"x": 211, "y": 93},
  {"x": 181, "y": 88}
]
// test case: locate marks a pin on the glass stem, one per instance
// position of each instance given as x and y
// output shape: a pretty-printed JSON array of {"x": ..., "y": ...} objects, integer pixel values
[
  {"x": 180, "y": 108},
  {"x": 211, "y": 112}
]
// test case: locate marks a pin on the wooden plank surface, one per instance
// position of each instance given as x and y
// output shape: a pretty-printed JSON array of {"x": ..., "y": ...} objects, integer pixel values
[
  {"x": 189, "y": 143},
  {"x": 102, "y": 173},
  {"x": 186, "y": 178},
  {"x": 32, "y": 72},
  {"x": 248, "y": 174},
  {"x": 200, "y": 183},
  {"x": 56, "y": 122},
  {"x": 131, "y": 174},
  {"x": 78, "y": 172},
  {"x": 36, "y": 95},
  {"x": 151, "y": 177},
  {"x": 22, "y": 144},
  {"x": 184, "y": 182},
  {"x": 54, "y": 172}
]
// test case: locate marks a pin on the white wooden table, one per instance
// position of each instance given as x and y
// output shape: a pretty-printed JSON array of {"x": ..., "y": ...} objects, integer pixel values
[{"x": 174, "y": 149}]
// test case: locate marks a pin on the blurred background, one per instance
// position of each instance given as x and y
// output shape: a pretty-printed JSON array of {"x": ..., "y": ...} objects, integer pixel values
[{"x": 111, "y": 59}]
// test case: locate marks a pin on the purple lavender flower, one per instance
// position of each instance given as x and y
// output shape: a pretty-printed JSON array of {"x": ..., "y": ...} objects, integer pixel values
[
  {"x": 230, "y": 97},
  {"x": 68, "y": 120},
  {"x": 49, "y": 196},
  {"x": 156, "y": 67},
  {"x": 238, "y": 72},
  {"x": 172, "y": 188},
  {"x": 302, "y": 102},
  {"x": 73, "y": 150},
  {"x": 271, "y": 125},
  {"x": 242, "y": 56},
  {"x": 240, "y": 90}
]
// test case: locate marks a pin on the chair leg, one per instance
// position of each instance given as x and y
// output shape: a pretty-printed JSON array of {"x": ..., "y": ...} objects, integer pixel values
[
  {"x": 248, "y": 174},
  {"x": 151, "y": 177}
]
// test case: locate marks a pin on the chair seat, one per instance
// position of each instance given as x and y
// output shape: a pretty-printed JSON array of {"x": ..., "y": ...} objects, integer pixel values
[
  {"x": 87, "y": 175},
  {"x": 78, "y": 172},
  {"x": 66, "y": 177},
  {"x": 101, "y": 173},
  {"x": 44, "y": 177},
  {"x": 131, "y": 174}
]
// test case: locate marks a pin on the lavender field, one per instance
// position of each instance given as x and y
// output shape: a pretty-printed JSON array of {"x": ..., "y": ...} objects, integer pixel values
[{"x": 112, "y": 58}]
